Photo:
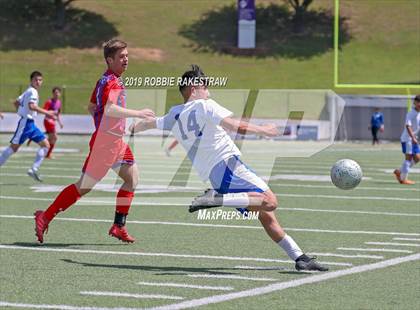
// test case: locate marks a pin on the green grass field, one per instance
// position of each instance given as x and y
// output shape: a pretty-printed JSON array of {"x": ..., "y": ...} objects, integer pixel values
[
  {"x": 378, "y": 44},
  {"x": 231, "y": 262}
]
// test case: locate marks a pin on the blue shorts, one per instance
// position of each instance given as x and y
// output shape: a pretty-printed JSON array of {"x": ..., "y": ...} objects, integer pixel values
[
  {"x": 233, "y": 176},
  {"x": 26, "y": 129},
  {"x": 410, "y": 148}
]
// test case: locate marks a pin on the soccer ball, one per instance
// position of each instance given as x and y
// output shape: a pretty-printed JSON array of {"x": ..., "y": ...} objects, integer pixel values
[{"x": 346, "y": 174}]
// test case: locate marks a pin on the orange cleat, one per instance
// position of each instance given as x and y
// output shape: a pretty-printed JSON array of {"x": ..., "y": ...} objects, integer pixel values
[
  {"x": 397, "y": 173},
  {"x": 41, "y": 225},
  {"x": 121, "y": 233},
  {"x": 407, "y": 182}
]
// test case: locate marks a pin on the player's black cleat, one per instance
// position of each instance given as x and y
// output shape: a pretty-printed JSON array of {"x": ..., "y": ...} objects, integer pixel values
[
  {"x": 210, "y": 199},
  {"x": 304, "y": 262}
]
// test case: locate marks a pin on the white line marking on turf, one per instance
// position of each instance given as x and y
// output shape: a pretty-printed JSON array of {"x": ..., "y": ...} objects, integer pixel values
[
  {"x": 348, "y": 211},
  {"x": 270, "y": 268},
  {"x": 393, "y": 243},
  {"x": 347, "y": 256},
  {"x": 375, "y": 250},
  {"x": 349, "y": 197},
  {"x": 233, "y": 277},
  {"x": 129, "y": 295},
  {"x": 273, "y": 184},
  {"x": 183, "y": 285},
  {"x": 224, "y": 226},
  {"x": 288, "y": 284},
  {"x": 406, "y": 239},
  {"x": 255, "y": 259},
  {"x": 58, "y": 307}
]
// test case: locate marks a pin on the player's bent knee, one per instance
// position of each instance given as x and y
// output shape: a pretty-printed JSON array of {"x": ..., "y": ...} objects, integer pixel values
[
  {"x": 15, "y": 147},
  {"x": 269, "y": 202}
]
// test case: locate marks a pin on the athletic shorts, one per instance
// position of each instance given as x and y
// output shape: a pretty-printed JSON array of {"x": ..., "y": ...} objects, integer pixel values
[
  {"x": 106, "y": 151},
  {"x": 49, "y": 126},
  {"x": 410, "y": 148},
  {"x": 233, "y": 176},
  {"x": 26, "y": 129}
]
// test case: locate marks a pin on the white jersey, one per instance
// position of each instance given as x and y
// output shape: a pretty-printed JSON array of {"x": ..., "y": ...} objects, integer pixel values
[
  {"x": 30, "y": 95},
  {"x": 413, "y": 120},
  {"x": 195, "y": 125}
]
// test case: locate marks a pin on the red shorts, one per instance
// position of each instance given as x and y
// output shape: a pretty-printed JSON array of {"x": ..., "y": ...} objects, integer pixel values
[
  {"x": 106, "y": 151},
  {"x": 49, "y": 126}
]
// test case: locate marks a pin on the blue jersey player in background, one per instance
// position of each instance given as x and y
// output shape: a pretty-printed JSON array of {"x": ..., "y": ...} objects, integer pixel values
[
  {"x": 376, "y": 125},
  {"x": 27, "y": 108}
]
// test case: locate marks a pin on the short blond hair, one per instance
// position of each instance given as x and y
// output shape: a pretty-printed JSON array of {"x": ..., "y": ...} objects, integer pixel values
[{"x": 112, "y": 47}]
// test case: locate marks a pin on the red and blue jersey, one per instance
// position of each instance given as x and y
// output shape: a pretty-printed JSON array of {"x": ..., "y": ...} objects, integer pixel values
[
  {"x": 52, "y": 105},
  {"x": 108, "y": 90}
]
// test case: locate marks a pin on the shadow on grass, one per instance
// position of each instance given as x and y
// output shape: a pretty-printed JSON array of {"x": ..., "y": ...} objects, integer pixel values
[
  {"x": 216, "y": 32},
  {"x": 166, "y": 270},
  {"x": 29, "y": 25},
  {"x": 62, "y": 245}
]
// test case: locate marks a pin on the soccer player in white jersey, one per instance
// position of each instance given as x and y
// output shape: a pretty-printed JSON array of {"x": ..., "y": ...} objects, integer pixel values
[
  {"x": 27, "y": 108},
  {"x": 409, "y": 143},
  {"x": 199, "y": 125}
]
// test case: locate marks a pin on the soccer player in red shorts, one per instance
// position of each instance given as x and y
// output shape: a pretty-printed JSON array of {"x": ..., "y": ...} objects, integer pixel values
[
  {"x": 52, "y": 104},
  {"x": 107, "y": 147}
]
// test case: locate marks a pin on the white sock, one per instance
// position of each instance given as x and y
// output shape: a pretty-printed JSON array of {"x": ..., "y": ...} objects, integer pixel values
[
  {"x": 5, "y": 155},
  {"x": 236, "y": 200},
  {"x": 290, "y": 247},
  {"x": 40, "y": 155},
  {"x": 405, "y": 167}
]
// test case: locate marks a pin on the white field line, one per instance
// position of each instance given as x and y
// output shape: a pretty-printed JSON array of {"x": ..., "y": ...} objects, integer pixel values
[
  {"x": 235, "y": 258},
  {"x": 299, "y": 196},
  {"x": 393, "y": 243},
  {"x": 375, "y": 250},
  {"x": 129, "y": 295},
  {"x": 57, "y": 307},
  {"x": 349, "y": 211},
  {"x": 232, "y": 277},
  {"x": 226, "y": 226},
  {"x": 274, "y": 184},
  {"x": 406, "y": 239},
  {"x": 270, "y": 268},
  {"x": 275, "y": 287},
  {"x": 183, "y": 285},
  {"x": 347, "y": 256},
  {"x": 349, "y": 197}
]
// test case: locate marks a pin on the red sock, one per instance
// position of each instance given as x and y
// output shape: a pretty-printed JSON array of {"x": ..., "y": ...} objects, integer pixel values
[
  {"x": 65, "y": 199},
  {"x": 124, "y": 199},
  {"x": 50, "y": 150}
]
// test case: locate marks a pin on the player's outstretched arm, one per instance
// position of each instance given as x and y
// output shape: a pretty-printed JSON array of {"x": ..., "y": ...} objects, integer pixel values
[
  {"x": 411, "y": 134},
  {"x": 38, "y": 109},
  {"x": 114, "y": 110},
  {"x": 242, "y": 127},
  {"x": 143, "y": 125}
]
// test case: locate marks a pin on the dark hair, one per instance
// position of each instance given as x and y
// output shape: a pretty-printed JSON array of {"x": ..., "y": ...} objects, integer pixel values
[
  {"x": 56, "y": 88},
  {"x": 35, "y": 74},
  {"x": 417, "y": 98},
  {"x": 112, "y": 46},
  {"x": 194, "y": 73}
]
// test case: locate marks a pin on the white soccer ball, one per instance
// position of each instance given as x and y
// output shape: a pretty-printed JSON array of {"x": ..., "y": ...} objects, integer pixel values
[{"x": 346, "y": 174}]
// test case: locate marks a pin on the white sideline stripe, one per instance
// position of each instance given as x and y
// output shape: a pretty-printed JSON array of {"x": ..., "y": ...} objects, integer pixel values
[
  {"x": 140, "y": 202},
  {"x": 235, "y": 258},
  {"x": 183, "y": 285},
  {"x": 375, "y": 250},
  {"x": 348, "y": 211},
  {"x": 58, "y": 307},
  {"x": 393, "y": 243},
  {"x": 225, "y": 226},
  {"x": 128, "y": 295},
  {"x": 346, "y": 255},
  {"x": 349, "y": 197},
  {"x": 271, "y": 268},
  {"x": 288, "y": 284},
  {"x": 406, "y": 239},
  {"x": 273, "y": 184},
  {"x": 233, "y": 277}
]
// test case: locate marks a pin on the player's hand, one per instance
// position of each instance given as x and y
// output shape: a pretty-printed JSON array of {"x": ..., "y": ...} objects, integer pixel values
[
  {"x": 52, "y": 114},
  {"x": 146, "y": 113},
  {"x": 415, "y": 141},
  {"x": 271, "y": 130},
  {"x": 61, "y": 125},
  {"x": 141, "y": 125}
]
